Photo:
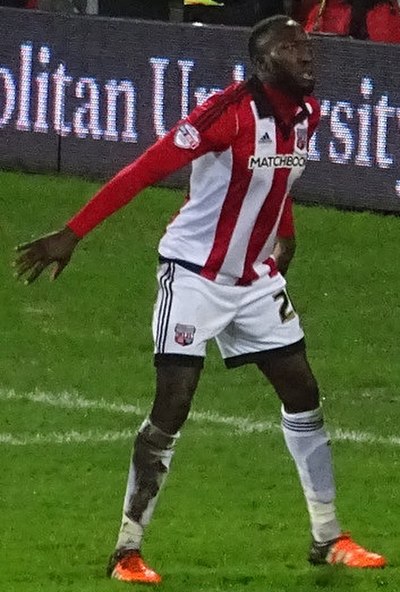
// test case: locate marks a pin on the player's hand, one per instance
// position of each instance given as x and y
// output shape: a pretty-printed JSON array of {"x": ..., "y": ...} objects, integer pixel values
[{"x": 35, "y": 256}]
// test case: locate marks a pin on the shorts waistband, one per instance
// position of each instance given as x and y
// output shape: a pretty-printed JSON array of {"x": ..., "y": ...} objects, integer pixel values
[
  {"x": 186, "y": 264},
  {"x": 226, "y": 280}
]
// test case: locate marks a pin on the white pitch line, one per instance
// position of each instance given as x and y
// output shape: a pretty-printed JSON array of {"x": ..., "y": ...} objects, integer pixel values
[
  {"x": 75, "y": 401},
  {"x": 241, "y": 425},
  {"x": 71, "y": 437},
  {"x": 70, "y": 401}
]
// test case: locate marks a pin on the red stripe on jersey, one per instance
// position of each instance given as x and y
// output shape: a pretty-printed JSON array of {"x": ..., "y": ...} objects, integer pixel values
[
  {"x": 237, "y": 191},
  {"x": 214, "y": 111},
  {"x": 286, "y": 223},
  {"x": 269, "y": 212}
]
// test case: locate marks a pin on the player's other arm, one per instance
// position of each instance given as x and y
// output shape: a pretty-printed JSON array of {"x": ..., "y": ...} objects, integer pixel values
[
  {"x": 285, "y": 244},
  {"x": 314, "y": 115}
]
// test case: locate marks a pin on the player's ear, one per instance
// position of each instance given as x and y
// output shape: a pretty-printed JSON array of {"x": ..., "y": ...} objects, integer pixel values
[
  {"x": 264, "y": 62},
  {"x": 274, "y": 54},
  {"x": 259, "y": 62}
]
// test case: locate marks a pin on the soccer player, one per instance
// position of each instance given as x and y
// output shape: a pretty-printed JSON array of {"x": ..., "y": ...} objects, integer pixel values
[{"x": 221, "y": 265}]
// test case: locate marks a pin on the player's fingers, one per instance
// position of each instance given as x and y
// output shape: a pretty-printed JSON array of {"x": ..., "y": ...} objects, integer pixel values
[
  {"x": 59, "y": 268},
  {"x": 39, "y": 267},
  {"x": 25, "y": 246},
  {"x": 25, "y": 262},
  {"x": 32, "y": 253},
  {"x": 22, "y": 268},
  {"x": 28, "y": 257}
]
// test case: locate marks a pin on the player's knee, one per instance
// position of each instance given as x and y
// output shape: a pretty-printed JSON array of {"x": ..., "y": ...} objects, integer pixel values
[
  {"x": 311, "y": 392},
  {"x": 171, "y": 410},
  {"x": 306, "y": 397}
]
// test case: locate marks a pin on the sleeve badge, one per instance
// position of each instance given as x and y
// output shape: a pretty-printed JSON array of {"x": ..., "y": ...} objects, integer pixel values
[{"x": 187, "y": 137}]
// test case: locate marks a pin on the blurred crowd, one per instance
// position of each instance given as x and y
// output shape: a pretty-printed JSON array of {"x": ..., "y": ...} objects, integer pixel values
[{"x": 376, "y": 20}]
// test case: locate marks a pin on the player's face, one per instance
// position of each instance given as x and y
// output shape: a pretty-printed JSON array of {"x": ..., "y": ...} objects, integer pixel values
[{"x": 288, "y": 60}]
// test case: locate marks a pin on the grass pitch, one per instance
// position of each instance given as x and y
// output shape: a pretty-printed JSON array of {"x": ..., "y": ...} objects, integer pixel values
[{"x": 76, "y": 379}]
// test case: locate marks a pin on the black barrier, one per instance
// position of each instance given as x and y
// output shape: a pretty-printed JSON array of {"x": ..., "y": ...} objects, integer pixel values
[{"x": 87, "y": 95}]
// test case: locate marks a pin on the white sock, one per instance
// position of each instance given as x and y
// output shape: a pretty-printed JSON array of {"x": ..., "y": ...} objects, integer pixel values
[
  {"x": 153, "y": 452},
  {"x": 308, "y": 444},
  {"x": 130, "y": 534}
]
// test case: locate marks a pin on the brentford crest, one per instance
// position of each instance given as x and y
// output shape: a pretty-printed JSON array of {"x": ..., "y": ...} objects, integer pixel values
[{"x": 184, "y": 334}]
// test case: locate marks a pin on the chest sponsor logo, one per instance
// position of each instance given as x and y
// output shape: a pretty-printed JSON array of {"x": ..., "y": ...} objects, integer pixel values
[
  {"x": 184, "y": 334},
  {"x": 187, "y": 137},
  {"x": 277, "y": 161}
]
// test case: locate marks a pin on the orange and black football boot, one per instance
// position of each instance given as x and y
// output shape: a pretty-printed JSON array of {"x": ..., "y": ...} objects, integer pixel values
[
  {"x": 127, "y": 565},
  {"x": 345, "y": 551}
]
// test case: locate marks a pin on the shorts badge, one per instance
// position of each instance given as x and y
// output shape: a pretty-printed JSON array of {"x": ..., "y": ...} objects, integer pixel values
[{"x": 184, "y": 334}]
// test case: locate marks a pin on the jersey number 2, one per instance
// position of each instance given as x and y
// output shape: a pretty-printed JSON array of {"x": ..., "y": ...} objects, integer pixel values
[{"x": 286, "y": 311}]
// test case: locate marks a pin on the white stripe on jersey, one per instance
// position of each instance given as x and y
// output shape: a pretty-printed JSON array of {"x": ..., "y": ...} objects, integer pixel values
[{"x": 209, "y": 183}]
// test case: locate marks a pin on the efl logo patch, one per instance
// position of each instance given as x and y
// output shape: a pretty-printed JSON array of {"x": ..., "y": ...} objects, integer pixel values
[
  {"x": 184, "y": 334},
  {"x": 187, "y": 137},
  {"x": 301, "y": 138}
]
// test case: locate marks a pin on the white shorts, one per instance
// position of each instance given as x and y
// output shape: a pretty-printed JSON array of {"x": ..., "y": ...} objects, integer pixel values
[{"x": 246, "y": 321}]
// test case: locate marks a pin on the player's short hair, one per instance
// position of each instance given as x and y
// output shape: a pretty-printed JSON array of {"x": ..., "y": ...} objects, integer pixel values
[{"x": 261, "y": 31}]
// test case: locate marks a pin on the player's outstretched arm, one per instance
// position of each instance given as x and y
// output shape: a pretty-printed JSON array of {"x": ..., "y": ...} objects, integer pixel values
[
  {"x": 36, "y": 255},
  {"x": 175, "y": 150}
]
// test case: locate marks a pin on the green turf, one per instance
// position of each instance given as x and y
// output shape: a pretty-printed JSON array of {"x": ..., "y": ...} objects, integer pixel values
[{"x": 232, "y": 516}]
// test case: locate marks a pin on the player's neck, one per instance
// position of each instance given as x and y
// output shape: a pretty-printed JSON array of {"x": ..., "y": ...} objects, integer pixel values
[{"x": 284, "y": 103}]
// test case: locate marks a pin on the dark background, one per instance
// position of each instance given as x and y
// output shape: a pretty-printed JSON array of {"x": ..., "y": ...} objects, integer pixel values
[{"x": 105, "y": 49}]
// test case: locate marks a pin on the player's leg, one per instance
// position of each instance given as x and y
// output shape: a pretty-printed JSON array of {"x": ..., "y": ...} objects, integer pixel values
[
  {"x": 306, "y": 439},
  {"x": 152, "y": 454},
  {"x": 154, "y": 447},
  {"x": 305, "y": 436},
  {"x": 180, "y": 337},
  {"x": 267, "y": 332}
]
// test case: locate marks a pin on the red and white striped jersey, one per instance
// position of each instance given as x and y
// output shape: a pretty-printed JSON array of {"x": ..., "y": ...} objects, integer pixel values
[
  {"x": 244, "y": 162},
  {"x": 238, "y": 188}
]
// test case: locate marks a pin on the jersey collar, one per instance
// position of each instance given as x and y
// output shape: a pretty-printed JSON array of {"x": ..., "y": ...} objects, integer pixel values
[{"x": 271, "y": 102}]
